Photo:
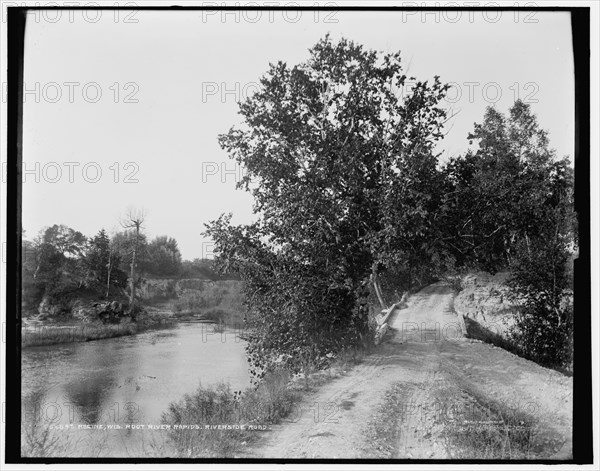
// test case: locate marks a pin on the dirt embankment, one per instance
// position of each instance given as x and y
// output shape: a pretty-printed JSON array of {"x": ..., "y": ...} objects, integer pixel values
[
  {"x": 484, "y": 299},
  {"x": 427, "y": 392}
]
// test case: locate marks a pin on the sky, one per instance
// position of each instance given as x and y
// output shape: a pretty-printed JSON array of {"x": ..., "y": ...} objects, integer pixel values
[{"x": 124, "y": 109}]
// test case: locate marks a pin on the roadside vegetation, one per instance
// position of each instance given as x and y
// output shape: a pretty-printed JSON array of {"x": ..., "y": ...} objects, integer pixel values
[
  {"x": 342, "y": 162},
  {"x": 274, "y": 399}
]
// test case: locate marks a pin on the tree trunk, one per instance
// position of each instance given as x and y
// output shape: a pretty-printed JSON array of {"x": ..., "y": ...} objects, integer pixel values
[
  {"x": 132, "y": 274},
  {"x": 109, "y": 269},
  {"x": 375, "y": 283}
]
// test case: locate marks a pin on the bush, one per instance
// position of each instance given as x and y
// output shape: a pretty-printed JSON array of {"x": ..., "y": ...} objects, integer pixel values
[
  {"x": 299, "y": 315},
  {"x": 219, "y": 405},
  {"x": 206, "y": 406},
  {"x": 541, "y": 286},
  {"x": 545, "y": 335}
]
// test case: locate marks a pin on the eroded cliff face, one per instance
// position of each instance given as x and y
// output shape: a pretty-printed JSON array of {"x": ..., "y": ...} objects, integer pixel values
[
  {"x": 171, "y": 288},
  {"x": 485, "y": 300}
]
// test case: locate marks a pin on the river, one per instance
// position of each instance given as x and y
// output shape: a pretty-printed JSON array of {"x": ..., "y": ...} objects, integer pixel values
[{"x": 93, "y": 394}]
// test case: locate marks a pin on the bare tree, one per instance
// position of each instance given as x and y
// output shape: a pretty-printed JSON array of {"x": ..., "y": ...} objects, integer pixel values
[{"x": 133, "y": 220}]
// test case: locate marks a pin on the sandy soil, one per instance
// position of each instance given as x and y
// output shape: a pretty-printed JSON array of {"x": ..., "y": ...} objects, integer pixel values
[{"x": 408, "y": 398}]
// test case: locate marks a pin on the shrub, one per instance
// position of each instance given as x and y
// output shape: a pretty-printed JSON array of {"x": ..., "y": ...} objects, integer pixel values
[
  {"x": 268, "y": 403},
  {"x": 206, "y": 406},
  {"x": 541, "y": 286}
]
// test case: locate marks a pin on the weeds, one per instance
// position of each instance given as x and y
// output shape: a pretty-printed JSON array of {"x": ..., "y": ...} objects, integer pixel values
[
  {"x": 480, "y": 428},
  {"x": 221, "y": 420},
  {"x": 50, "y": 335},
  {"x": 39, "y": 440}
]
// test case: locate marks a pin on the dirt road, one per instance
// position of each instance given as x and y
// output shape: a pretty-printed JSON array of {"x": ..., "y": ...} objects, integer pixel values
[{"x": 426, "y": 392}]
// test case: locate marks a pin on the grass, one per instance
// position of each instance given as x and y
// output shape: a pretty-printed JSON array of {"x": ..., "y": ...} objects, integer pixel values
[
  {"x": 39, "y": 440},
  {"x": 383, "y": 430},
  {"x": 218, "y": 422},
  {"x": 466, "y": 423},
  {"x": 477, "y": 427},
  {"x": 51, "y": 335},
  {"x": 489, "y": 431}
]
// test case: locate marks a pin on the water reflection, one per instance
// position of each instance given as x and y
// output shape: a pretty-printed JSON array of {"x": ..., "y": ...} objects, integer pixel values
[
  {"x": 126, "y": 380},
  {"x": 89, "y": 393}
]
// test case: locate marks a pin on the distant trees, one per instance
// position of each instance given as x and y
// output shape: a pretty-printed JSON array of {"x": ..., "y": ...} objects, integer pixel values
[
  {"x": 103, "y": 260},
  {"x": 164, "y": 258},
  {"x": 62, "y": 264},
  {"x": 205, "y": 269}
]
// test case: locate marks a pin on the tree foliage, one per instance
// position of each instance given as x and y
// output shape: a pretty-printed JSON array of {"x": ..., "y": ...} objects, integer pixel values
[
  {"x": 342, "y": 170},
  {"x": 501, "y": 193},
  {"x": 164, "y": 258},
  {"x": 509, "y": 205},
  {"x": 103, "y": 260},
  {"x": 58, "y": 251}
]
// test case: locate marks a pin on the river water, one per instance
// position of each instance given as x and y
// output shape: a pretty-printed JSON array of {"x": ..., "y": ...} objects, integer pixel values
[{"x": 92, "y": 395}]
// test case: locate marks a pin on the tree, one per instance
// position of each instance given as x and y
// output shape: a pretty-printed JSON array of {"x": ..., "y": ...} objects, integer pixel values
[
  {"x": 509, "y": 205},
  {"x": 103, "y": 260},
  {"x": 342, "y": 169},
  {"x": 58, "y": 252},
  {"x": 499, "y": 194},
  {"x": 164, "y": 257},
  {"x": 97, "y": 257},
  {"x": 133, "y": 221}
]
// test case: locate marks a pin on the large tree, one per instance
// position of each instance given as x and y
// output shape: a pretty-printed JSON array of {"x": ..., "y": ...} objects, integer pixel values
[{"x": 339, "y": 159}]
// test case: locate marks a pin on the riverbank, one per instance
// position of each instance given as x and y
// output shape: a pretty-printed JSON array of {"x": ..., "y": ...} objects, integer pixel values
[
  {"x": 53, "y": 333},
  {"x": 237, "y": 419},
  {"x": 42, "y": 333},
  {"x": 58, "y": 334},
  {"x": 165, "y": 302}
]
